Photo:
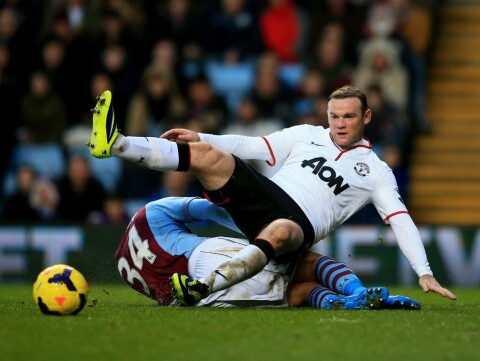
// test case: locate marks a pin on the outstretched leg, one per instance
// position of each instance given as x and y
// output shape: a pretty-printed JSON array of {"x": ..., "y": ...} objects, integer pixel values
[{"x": 212, "y": 167}]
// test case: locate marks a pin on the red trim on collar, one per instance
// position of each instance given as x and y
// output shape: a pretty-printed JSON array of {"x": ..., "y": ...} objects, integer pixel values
[
  {"x": 274, "y": 160},
  {"x": 393, "y": 214},
  {"x": 343, "y": 151}
]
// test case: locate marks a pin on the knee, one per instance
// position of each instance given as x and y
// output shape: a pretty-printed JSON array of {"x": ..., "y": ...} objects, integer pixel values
[{"x": 284, "y": 235}]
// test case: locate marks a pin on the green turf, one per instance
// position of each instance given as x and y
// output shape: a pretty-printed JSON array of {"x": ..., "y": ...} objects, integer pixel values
[{"x": 126, "y": 326}]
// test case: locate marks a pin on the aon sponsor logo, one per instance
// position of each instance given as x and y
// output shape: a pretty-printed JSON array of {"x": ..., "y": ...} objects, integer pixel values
[{"x": 326, "y": 174}]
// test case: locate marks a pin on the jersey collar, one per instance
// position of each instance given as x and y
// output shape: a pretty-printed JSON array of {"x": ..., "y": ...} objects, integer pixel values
[{"x": 364, "y": 143}]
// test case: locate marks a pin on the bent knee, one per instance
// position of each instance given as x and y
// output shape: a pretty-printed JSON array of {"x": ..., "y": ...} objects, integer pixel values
[{"x": 284, "y": 235}]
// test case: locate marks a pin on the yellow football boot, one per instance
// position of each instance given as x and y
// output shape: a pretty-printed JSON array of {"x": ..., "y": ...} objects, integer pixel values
[{"x": 105, "y": 130}]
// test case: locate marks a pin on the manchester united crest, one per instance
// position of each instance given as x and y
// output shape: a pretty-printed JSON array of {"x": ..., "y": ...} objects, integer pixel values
[{"x": 362, "y": 169}]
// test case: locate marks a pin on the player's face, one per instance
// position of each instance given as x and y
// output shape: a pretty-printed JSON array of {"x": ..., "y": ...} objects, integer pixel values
[{"x": 347, "y": 121}]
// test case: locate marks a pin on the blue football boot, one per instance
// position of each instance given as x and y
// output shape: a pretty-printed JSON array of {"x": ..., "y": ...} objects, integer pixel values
[
  {"x": 371, "y": 298},
  {"x": 399, "y": 302}
]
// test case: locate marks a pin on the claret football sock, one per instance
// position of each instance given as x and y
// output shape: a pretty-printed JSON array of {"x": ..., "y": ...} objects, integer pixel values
[
  {"x": 337, "y": 276},
  {"x": 321, "y": 297}
]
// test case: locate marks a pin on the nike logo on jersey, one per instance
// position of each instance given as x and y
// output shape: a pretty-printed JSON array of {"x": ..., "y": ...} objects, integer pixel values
[
  {"x": 318, "y": 145},
  {"x": 326, "y": 174}
]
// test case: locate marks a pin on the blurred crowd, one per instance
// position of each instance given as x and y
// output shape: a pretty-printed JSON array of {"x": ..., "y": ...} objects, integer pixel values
[{"x": 219, "y": 66}]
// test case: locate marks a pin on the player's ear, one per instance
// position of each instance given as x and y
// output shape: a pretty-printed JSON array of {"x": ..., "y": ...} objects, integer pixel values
[{"x": 367, "y": 116}]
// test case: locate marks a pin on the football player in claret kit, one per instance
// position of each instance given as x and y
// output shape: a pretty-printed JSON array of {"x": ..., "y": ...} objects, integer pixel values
[
  {"x": 323, "y": 176},
  {"x": 158, "y": 243}
]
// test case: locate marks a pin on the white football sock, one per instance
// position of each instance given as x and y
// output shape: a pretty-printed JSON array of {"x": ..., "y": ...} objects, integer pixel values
[
  {"x": 247, "y": 263},
  {"x": 154, "y": 153}
]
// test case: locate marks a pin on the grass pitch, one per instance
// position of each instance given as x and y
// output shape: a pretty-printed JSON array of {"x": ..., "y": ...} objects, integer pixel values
[{"x": 125, "y": 326}]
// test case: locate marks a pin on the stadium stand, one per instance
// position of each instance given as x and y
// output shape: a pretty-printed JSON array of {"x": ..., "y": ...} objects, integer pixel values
[{"x": 445, "y": 168}]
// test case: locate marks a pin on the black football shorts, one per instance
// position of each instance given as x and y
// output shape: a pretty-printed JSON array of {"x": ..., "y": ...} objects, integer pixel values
[{"x": 254, "y": 201}]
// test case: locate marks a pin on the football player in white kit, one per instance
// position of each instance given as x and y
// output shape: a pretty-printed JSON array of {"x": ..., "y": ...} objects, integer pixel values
[{"x": 322, "y": 177}]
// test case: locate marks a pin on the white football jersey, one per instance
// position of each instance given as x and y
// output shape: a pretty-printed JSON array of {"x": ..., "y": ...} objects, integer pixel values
[
  {"x": 328, "y": 183},
  {"x": 331, "y": 184}
]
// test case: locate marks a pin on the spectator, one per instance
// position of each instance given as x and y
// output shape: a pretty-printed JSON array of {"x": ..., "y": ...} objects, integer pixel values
[
  {"x": 414, "y": 24},
  {"x": 272, "y": 96},
  {"x": 176, "y": 184},
  {"x": 52, "y": 62},
  {"x": 18, "y": 206},
  {"x": 178, "y": 22},
  {"x": 380, "y": 64},
  {"x": 155, "y": 106},
  {"x": 164, "y": 57},
  {"x": 42, "y": 112},
  {"x": 387, "y": 125},
  {"x": 311, "y": 87},
  {"x": 248, "y": 122},
  {"x": 68, "y": 28},
  {"x": 44, "y": 199},
  {"x": 328, "y": 58},
  {"x": 18, "y": 37},
  {"x": 113, "y": 212},
  {"x": 349, "y": 15},
  {"x": 115, "y": 31},
  {"x": 205, "y": 107},
  {"x": 131, "y": 12},
  {"x": 10, "y": 110},
  {"x": 284, "y": 25},
  {"x": 80, "y": 193},
  {"x": 230, "y": 32}
]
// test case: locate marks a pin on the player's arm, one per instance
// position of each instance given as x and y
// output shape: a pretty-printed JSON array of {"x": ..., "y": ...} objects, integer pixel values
[
  {"x": 188, "y": 210},
  {"x": 272, "y": 148},
  {"x": 199, "y": 209},
  {"x": 410, "y": 243},
  {"x": 394, "y": 212}
]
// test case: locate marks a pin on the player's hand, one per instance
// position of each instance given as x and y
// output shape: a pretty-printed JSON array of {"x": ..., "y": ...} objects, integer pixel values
[
  {"x": 180, "y": 135},
  {"x": 429, "y": 283}
]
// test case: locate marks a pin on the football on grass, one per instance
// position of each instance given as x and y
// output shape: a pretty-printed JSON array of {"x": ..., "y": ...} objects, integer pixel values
[{"x": 60, "y": 290}]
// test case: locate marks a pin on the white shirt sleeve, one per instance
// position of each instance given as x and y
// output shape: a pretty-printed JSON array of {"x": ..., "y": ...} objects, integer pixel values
[
  {"x": 387, "y": 199},
  {"x": 410, "y": 243},
  {"x": 273, "y": 148},
  {"x": 239, "y": 145}
]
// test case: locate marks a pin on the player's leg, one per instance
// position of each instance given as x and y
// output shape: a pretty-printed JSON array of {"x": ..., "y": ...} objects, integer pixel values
[
  {"x": 211, "y": 166},
  {"x": 339, "y": 278},
  {"x": 370, "y": 299},
  {"x": 265, "y": 289},
  {"x": 334, "y": 275},
  {"x": 316, "y": 296},
  {"x": 279, "y": 237}
]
